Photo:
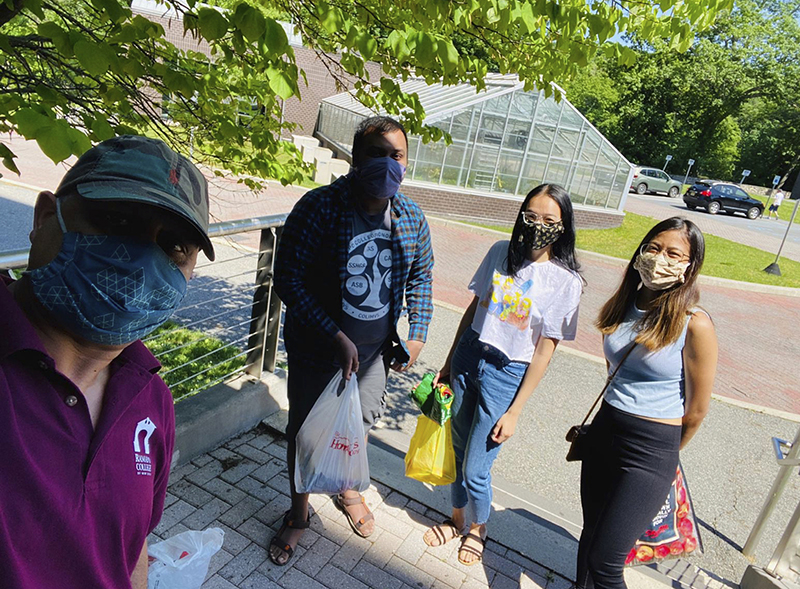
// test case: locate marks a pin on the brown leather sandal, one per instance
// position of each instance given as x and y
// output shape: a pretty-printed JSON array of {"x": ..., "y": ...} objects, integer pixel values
[
  {"x": 438, "y": 531},
  {"x": 343, "y": 503},
  {"x": 471, "y": 550},
  {"x": 279, "y": 543}
]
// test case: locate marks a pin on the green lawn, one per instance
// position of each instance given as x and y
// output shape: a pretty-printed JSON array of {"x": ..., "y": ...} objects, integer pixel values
[{"x": 724, "y": 258}]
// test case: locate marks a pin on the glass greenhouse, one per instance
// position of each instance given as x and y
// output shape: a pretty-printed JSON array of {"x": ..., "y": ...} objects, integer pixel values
[{"x": 505, "y": 142}]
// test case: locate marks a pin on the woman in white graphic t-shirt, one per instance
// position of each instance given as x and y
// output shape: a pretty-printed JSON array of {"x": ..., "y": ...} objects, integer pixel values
[{"x": 527, "y": 293}]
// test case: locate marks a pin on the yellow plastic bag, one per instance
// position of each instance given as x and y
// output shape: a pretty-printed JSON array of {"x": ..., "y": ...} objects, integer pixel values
[{"x": 430, "y": 457}]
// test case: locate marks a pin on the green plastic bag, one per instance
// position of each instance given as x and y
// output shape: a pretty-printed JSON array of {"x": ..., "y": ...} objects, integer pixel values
[{"x": 435, "y": 402}]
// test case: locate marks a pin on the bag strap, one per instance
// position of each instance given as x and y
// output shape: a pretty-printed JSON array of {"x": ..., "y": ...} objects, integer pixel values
[{"x": 608, "y": 382}]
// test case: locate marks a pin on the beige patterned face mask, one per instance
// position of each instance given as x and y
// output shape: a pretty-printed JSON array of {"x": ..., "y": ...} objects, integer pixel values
[{"x": 658, "y": 272}]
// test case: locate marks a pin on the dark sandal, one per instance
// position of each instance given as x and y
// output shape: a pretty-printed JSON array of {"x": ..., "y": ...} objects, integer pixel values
[
  {"x": 343, "y": 503},
  {"x": 280, "y": 544},
  {"x": 438, "y": 531},
  {"x": 471, "y": 550}
]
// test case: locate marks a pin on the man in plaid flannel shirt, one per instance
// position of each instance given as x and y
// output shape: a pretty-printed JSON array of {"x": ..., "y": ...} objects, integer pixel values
[{"x": 349, "y": 254}]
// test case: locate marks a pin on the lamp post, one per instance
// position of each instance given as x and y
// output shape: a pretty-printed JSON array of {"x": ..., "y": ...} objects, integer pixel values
[
  {"x": 774, "y": 268},
  {"x": 664, "y": 169},
  {"x": 686, "y": 177}
]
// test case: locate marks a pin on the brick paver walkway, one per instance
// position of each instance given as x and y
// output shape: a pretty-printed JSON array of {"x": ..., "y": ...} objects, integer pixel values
[{"x": 242, "y": 488}]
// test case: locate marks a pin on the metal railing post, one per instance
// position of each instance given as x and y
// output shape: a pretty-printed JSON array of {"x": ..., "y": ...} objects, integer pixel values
[
  {"x": 266, "y": 313},
  {"x": 787, "y": 464}
]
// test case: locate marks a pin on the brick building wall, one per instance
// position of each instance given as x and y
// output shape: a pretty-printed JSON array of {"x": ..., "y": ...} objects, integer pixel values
[{"x": 492, "y": 210}]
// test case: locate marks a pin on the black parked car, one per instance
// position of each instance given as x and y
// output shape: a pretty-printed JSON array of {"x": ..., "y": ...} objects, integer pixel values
[{"x": 715, "y": 196}]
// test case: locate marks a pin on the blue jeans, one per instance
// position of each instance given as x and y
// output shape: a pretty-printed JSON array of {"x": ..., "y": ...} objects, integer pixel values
[{"x": 484, "y": 383}]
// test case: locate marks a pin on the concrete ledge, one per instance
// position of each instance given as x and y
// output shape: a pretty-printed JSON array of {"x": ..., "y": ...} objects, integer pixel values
[
  {"x": 757, "y": 578},
  {"x": 208, "y": 419}
]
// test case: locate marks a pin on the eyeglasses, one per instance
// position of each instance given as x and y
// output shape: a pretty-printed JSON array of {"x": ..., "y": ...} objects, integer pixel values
[
  {"x": 673, "y": 256},
  {"x": 530, "y": 218}
]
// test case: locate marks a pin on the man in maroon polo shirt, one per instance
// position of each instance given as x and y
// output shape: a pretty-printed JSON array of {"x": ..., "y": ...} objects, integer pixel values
[{"x": 86, "y": 424}]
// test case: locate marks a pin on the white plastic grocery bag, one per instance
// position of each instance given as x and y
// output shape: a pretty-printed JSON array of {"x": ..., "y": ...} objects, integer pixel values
[
  {"x": 181, "y": 562},
  {"x": 331, "y": 457}
]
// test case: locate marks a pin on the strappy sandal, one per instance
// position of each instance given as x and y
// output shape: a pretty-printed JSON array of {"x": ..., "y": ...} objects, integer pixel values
[
  {"x": 281, "y": 544},
  {"x": 438, "y": 531},
  {"x": 471, "y": 550},
  {"x": 343, "y": 503}
]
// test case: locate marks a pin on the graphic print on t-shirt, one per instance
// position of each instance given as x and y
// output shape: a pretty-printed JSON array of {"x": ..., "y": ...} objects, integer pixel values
[
  {"x": 507, "y": 301},
  {"x": 367, "y": 289}
]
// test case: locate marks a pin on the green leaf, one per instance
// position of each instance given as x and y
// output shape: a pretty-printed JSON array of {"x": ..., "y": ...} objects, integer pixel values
[
  {"x": 29, "y": 122},
  {"x": 93, "y": 56},
  {"x": 8, "y": 158},
  {"x": 213, "y": 25},
  {"x": 367, "y": 45},
  {"x": 102, "y": 130},
  {"x": 54, "y": 140},
  {"x": 448, "y": 54},
  {"x": 249, "y": 21},
  {"x": 281, "y": 84},
  {"x": 116, "y": 13},
  {"x": 275, "y": 37}
]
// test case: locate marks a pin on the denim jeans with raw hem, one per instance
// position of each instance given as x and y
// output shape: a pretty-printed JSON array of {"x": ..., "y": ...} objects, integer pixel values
[{"x": 484, "y": 383}]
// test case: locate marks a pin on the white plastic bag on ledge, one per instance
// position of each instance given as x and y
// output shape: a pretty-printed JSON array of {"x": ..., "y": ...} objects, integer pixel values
[
  {"x": 330, "y": 456},
  {"x": 181, "y": 562}
]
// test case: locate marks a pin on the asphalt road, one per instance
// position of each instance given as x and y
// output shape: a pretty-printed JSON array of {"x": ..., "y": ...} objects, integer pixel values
[
  {"x": 738, "y": 222},
  {"x": 16, "y": 216}
]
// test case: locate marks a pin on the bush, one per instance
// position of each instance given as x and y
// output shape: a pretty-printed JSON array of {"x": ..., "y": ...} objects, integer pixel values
[{"x": 197, "y": 354}]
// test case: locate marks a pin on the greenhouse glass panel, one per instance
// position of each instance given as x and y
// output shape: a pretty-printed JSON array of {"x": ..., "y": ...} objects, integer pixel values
[
  {"x": 454, "y": 155},
  {"x": 566, "y": 144},
  {"x": 533, "y": 173},
  {"x": 523, "y": 106},
  {"x": 581, "y": 181},
  {"x": 549, "y": 111},
  {"x": 590, "y": 147},
  {"x": 427, "y": 172},
  {"x": 451, "y": 175},
  {"x": 557, "y": 172},
  {"x": 508, "y": 170},
  {"x": 571, "y": 118},
  {"x": 497, "y": 105},
  {"x": 601, "y": 183},
  {"x": 485, "y": 158},
  {"x": 480, "y": 180},
  {"x": 491, "y": 131},
  {"x": 607, "y": 158},
  {"x": 542, "y": 139},
  {"x": 517, "y": 134},
  {"x": 460, "y": 129}
]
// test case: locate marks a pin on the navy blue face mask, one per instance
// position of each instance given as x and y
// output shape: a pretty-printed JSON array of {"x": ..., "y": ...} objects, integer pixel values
[
  {"x": 108, "y": 289},
  {"x": 379, "y": 177}
]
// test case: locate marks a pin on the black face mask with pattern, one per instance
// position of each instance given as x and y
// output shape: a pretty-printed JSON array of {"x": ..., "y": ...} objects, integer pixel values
[{"x": 539, "y": 235}]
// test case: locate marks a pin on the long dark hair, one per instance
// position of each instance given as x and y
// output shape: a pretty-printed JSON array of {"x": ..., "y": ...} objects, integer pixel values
[
  {"x": 663, "y": 323},
  {"x": 562, "y": 251}
]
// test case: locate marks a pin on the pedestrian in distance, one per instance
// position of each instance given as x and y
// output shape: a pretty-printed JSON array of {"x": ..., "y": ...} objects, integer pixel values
[
  {"x": 655, "y": 403},
  {"x": 776, "y": 202},
  {"x": 527, "y": 292},
  {"x": 87, "y": 426},
  {"x": 349, "y": 254}
]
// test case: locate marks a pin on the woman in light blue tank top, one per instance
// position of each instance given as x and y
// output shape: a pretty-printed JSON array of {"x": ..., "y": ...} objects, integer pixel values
[{"x": 653, "y": 406}]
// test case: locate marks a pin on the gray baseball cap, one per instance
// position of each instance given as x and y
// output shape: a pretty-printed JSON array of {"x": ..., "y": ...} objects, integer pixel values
[{"x": 140, "y": 169}]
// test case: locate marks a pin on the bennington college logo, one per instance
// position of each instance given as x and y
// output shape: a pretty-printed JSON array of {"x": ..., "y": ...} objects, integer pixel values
[
  {"x": 342, "y": 443},
  {"x": 141, "y": 446}
]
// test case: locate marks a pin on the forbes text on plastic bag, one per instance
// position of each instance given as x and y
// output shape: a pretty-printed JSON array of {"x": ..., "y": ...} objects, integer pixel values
[
  {"x": 181, "y": 562},
  {"x": 330, "y": 456},
  {"x": 430, "y": 457}
]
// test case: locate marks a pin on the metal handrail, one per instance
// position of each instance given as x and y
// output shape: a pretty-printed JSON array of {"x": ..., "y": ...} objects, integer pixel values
[{"x": 13, "y": 259}]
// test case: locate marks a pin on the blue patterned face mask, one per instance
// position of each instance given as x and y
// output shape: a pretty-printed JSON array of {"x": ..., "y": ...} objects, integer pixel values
[
  {"x": 380, "y": 177},
  {"x": 108, "y": 289}
]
